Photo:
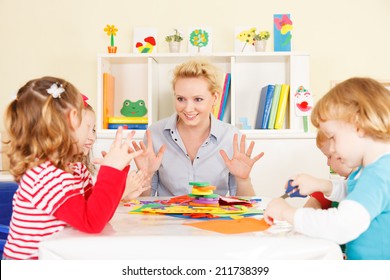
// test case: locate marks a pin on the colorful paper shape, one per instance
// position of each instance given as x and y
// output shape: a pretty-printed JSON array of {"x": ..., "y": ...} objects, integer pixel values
[
  {"x": 303, "y": 102},
  {"x": 134, "y": 109},
  {"x": 244, "y": 39},
  {"x": 232, "y": 226},
  {"x": 200, "y": 40},
  {"x": 282, "y": 32},
  {"x": 145, "y": 40}
]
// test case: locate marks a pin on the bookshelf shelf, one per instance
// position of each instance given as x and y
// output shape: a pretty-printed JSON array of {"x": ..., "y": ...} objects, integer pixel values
[
  {"x": 148, "y": 77},
  {"x": 287, "y": 151}
]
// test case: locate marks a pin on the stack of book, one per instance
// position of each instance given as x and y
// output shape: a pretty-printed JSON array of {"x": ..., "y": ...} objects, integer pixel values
[
  {"x": 272, "y": 106},
  {"x": 127, "y": 122}
]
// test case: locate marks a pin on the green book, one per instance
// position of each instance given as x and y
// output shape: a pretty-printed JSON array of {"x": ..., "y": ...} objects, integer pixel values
[{"x": 274, "y": 107}]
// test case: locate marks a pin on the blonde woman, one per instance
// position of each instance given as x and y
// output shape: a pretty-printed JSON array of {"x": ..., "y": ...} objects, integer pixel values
[{"x": 192, "y": 145}]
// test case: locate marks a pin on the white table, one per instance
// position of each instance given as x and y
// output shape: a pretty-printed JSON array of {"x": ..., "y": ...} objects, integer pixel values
[{"x": 138, "y": 236}]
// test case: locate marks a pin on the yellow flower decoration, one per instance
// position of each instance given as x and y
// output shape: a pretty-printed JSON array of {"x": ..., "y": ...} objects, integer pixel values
[{"x": 111, "y": 31}]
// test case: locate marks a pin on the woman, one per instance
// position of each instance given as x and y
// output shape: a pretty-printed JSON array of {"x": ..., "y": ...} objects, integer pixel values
[{"x": 192, "y": 144}]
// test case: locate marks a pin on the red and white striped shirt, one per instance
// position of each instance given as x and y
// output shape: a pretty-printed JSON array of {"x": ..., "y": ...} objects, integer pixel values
[{"x": 49, "y": 198}]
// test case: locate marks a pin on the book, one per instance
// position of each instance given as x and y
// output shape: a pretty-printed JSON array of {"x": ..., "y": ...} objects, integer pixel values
[
  {"x": 270, "y": 89},
  {"x": 260, "y": 110},
  {"x": 282, "y": 106},
  {"x": 127, "y": 126},
  {"x": 128, "y": 120},
  {"x": 274, "y": 106},
  {"x": 108, "y": 97},
  {"x": 218, "y": 102},
  {"x": 225, "y": 96}
]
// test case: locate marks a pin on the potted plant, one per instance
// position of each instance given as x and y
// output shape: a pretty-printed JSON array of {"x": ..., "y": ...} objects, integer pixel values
[
  {"x": 260, "y": 40},
  {"x": 174, "y": 41}
]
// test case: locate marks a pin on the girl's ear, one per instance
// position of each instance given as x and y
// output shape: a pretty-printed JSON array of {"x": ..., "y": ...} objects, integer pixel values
[{"x": 74, "y": 121}]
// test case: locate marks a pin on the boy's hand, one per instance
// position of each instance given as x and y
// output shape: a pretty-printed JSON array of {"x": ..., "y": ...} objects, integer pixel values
[
  {"x": 308, "y": 184},
  {"x": 279, "y": 209}
]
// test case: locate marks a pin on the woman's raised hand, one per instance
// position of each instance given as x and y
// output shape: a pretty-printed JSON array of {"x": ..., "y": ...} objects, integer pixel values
[
  {"x": 241, "y": 163},
  {"x": 148, "y": 160}
]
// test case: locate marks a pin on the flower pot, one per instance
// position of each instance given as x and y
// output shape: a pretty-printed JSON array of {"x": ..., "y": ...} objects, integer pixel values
[
  {"x": 111, "y": 49},
  {"x": 260, "y": 45},
  {"x": 174, "y": 47}
]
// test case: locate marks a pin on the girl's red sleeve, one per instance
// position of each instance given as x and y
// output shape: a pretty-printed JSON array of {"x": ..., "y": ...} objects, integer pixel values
[
  {"x": 92, "y": 214},
  {"x": 325, "y": 204}
]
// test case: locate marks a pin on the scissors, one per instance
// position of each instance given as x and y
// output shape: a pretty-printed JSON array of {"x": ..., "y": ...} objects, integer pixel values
[{"x": 292, "y": 191}]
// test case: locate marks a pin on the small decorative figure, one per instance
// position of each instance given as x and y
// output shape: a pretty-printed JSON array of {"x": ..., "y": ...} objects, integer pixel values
[
  {"x": 150, "y": 43},
  {"x": 303, "y": 101},
  {"x": 111, "y": 31},
  {"x": 134, "y": 109}
]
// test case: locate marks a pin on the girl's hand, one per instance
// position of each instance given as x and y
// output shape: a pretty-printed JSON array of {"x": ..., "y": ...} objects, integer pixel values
[
  {"x": 137, "y": 182},
  {"x": 148, "y": 160},
  {"x": 120, "y": 153},
  {"x": 241, "y": 163}
]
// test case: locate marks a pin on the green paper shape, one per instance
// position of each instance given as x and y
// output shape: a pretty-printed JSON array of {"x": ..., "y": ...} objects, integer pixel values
[{"x": 134, "y": 109}]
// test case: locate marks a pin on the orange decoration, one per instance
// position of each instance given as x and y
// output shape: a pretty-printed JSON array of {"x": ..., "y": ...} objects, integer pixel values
[{"x": 232, "y": 226}]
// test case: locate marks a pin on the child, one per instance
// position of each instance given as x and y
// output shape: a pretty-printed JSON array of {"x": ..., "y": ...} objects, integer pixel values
[
  {"x": 317, "y": 199},
  {"x": 47, "y": 128},
  {"x": 137, "y": 182},
  {"x": 355, "y": 117},
  {"x": 90, "y": 119}
]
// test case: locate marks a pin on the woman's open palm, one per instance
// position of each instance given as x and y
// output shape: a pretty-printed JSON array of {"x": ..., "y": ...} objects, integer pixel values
[{"x": 241, "y": 163}]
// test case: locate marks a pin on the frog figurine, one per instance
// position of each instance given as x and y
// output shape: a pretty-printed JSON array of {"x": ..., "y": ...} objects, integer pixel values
[{"x": 134, "y": 109}]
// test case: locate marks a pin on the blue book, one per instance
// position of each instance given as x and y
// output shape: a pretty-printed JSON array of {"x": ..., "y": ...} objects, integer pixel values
[
  {"x": 267, "y": 106},
  {"x": 127, "y": 126},
  {"x": 260, "y": 110}
]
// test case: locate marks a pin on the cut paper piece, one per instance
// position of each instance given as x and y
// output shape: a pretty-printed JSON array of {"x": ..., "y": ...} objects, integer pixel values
[
  {"x": 282, "y": 32},
  {"x": 232, "y": 226}
]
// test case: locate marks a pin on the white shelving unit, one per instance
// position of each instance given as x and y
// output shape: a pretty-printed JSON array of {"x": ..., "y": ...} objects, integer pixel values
[
  {"x": 287, "y": 151},
  {"x": 148, "y": 77}
]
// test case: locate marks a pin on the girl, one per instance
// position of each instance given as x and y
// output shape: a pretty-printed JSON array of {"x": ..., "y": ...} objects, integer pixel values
[
  {"x": 196, "y": 146},
  {"x": 355, "y": 117},
  {"x": 47, "y": 128}
]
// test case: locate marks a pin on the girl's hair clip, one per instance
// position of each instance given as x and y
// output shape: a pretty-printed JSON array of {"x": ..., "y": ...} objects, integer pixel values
[
  {"x": 85, "y": 98},
  {"x": 55, "y": 90}
]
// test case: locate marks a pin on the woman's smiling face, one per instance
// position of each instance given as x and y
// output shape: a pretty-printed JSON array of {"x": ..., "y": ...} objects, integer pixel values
[{"x": 193, "y": 100}]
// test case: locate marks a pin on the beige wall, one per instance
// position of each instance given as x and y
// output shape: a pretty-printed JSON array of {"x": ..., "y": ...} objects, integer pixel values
[{"x": 62, "y": 38}]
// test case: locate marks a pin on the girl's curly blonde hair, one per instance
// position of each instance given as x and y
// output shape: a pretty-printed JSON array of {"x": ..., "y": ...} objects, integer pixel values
[{"x": 38, "y": 127}]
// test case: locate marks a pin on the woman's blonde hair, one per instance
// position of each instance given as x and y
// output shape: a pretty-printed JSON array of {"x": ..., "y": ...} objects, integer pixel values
[
  {"x": 363, "y": 102},
  {"x": 38, "y": 125},
  {"x": 197, "y": 68}
]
